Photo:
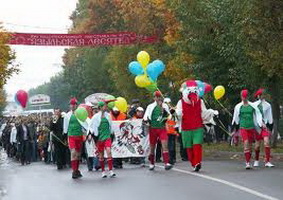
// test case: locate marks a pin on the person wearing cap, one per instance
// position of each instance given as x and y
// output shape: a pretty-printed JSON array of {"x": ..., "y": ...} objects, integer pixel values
[
  {"x": 192, "y": 115},
  {"x": 265, "y": 133},
  {"x": 101, "y": 127},
  {"x": 139, "y": 112},
  {"x": 247, "y": 117},
  {"x": 156, "y": 114},
  {"x": 74, "y": 128}
]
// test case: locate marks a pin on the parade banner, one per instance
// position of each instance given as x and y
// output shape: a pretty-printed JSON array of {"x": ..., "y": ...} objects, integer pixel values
[
  {"x": 131, "y": 139},
  {"x": 109, "y": 39}
]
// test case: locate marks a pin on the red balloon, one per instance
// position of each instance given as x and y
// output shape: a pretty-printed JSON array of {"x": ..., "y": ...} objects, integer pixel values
[
  {"x": 208, "y": 88},
  {"x": 88, "y": 109},
  {"x": 22, "y": 97}
]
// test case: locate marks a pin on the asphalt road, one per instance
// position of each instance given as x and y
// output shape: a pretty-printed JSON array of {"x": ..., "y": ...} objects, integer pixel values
[{"x": 217, "y": 180}]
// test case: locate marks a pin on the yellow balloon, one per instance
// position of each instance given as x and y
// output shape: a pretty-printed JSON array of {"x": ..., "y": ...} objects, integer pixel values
[
  {"x": 142, "y": 81},
  {"x": 121, "y": 104},
  {"x": 143, "y": 58},
  {"x": 219, "y": 92}
]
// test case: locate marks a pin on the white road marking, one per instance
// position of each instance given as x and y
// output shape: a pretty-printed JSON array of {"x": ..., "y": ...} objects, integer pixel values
[{"x": 234, "y": 185}]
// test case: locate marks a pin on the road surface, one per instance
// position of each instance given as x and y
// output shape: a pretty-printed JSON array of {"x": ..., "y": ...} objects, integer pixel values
[{"x": 217, "y": 180}]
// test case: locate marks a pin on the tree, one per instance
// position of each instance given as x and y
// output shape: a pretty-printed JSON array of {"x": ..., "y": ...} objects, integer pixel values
[
  {"x": 263, "y": 36},
  {"x": 7, "y": 64}
]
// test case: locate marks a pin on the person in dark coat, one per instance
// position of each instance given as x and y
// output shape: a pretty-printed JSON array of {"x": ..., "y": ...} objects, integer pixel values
[
  {"x": 58, "y": 139},
  {"x": 23, "y": 138},
  {"x": 33, "y": 140}
]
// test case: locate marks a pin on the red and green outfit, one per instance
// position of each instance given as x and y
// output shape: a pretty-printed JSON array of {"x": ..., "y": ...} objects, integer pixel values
[
  {"x": 104, "y": 141},
  {"x": 75, "y": 137},
  {"x": 157, "y": 132},
  {"x": 247, "y": 128},
  {"x": 264, "y": 133},
  {"x": 192, "y": 131}
]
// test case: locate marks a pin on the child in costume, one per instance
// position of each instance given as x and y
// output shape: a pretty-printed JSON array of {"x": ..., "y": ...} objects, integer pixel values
[
  {"x": 101, "y": 127},
  {"x": 75, "y": 130},
  {"x": 266, "y": 111},
  {"x": 192, "y": 114},
  {"x": 247, "y": 116},
  {"x": 156, "y": 115}
]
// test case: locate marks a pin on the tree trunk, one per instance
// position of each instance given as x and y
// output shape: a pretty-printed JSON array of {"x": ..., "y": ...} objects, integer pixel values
[{"x": 275, "y": 92}]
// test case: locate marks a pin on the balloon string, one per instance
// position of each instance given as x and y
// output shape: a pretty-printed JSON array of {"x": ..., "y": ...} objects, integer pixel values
[
  {"x": 223, "y": 127},
  {"x": 224, "y": 108}
]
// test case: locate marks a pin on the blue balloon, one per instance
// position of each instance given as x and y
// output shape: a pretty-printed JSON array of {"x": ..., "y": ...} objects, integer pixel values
[
  {"x": 136, "y": 68},
  {"x": 201, "y": 87},
  {"x": 160, "y": 67},
  {"x": 16, "y": 100},
  {"x": 152, "y": 72}
]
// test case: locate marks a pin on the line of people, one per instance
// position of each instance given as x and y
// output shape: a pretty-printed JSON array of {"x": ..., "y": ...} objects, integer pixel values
[{"x": 71, "y": 137}]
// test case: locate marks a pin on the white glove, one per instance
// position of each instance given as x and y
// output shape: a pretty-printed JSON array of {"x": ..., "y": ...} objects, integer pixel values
[{"x": 215, "y": 112}]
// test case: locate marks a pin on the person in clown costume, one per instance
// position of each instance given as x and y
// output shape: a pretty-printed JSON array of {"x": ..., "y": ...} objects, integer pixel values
[
  {"x": 266, "y": 111},
  {"x": 247, "y": 117},
  {"x": 192, "y": 115},
  {"x": 75, "y": 129}
]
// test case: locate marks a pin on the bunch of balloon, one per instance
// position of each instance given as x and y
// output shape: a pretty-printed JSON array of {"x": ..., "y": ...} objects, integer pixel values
[
  {"x": 146, "y": 73},
  {"x": 21, "y": 98}
]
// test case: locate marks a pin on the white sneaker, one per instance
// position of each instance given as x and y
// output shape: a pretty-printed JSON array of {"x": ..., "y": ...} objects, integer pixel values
[
  {"x": 151, "y": 167},
  {"x": 256, "y": 163},
  {"x": 248, "y": 166},
  {"x": 112, "y": 174},
  {"x": 269, "y": 164},
  {"x": 168, "y": 166},
  {"x": 103, "y": 175}
]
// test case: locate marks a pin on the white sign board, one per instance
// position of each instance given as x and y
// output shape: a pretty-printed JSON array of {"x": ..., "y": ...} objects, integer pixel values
[
  {"x": 131, "y": 139},
  {"x": 39, "y": 99}
]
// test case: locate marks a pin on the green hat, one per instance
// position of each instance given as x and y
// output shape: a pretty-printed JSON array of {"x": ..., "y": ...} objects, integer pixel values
[{"x": 101, "y": 104}]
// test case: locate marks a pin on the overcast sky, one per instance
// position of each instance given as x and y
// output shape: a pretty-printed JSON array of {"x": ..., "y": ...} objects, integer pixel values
[{"x": 37, "y": 64}]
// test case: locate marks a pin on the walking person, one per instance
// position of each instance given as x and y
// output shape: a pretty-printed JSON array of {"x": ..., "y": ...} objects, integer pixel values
[
  {"x": 23, "y": 138},
  {"x": 13, "y": 139},
  {"x": 101, "y": 127},
  {"x": 171, "y": 132},
  {"x": 265, "y": 133},
  {"x": 247, "y": 116},
  {"x": 75, "y": 130},
  {"x": 193, "y": 114},
  {"x": 58, "y": 139},
  {"x": 33, "y": 138},
  {"x": 90, "y": 151},
  {"x": 156, "y": 115}
]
